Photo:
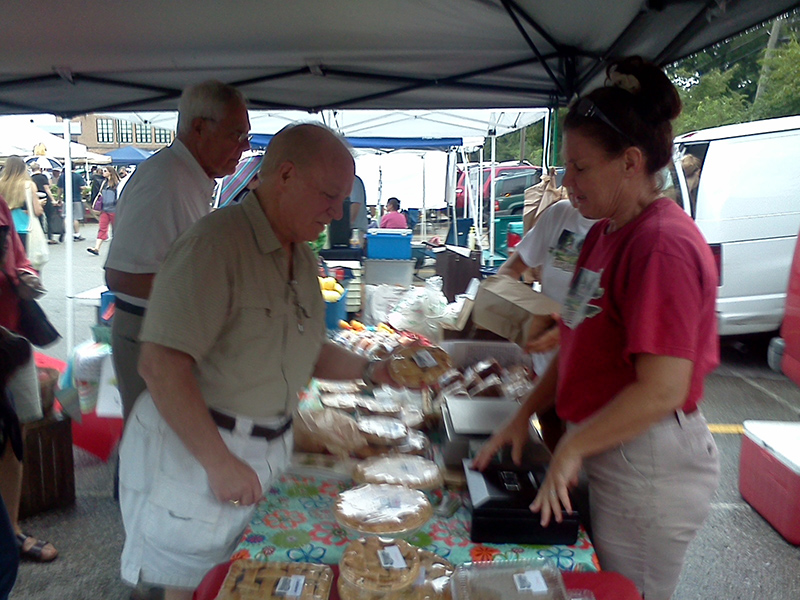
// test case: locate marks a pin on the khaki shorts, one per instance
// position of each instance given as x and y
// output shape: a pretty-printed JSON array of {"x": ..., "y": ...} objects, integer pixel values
[
  {"x": 175, "y": 528},
  {"x": 648, "y": 499}
]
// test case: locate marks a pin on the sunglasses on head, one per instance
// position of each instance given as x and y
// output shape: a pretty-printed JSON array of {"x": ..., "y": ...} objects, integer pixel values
[{"x": 586, "y": 108}]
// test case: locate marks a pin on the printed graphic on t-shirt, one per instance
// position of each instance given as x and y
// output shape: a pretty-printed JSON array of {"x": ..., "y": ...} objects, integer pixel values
[
  {"x": 585, "y": 288},
  {"x": 565, "y": 252}
]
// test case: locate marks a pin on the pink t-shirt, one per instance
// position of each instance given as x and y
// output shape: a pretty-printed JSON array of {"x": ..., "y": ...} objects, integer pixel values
[
  {"x": 647, "y": 288},
  {"x": 393, "y": 220}
]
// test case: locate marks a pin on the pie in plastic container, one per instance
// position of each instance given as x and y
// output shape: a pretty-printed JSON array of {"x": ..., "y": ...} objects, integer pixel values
[
  {"x": 419, "y": 367},
  {"x": 528, "y": 579},
  {"x": 379, "y": 565},
  {"x": 411, "y": 471},
  {"x": 382, "y": 509},
  {"x": 257, "y": 580}
]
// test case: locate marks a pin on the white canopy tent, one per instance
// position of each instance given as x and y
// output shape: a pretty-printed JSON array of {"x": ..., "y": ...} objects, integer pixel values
[{"x": 20, "y": 138}]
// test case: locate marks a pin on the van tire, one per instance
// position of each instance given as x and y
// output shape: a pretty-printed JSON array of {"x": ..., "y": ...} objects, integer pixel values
[{"x": 775, "y": 353}]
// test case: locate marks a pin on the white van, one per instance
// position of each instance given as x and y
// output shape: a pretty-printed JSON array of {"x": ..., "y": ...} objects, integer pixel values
[{"x": 746, "y": 201}]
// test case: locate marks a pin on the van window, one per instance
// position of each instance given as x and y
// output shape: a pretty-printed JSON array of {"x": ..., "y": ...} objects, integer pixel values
[
  {"x": 513, "y": 186},
  {"x": 667, "y": 180},
  {"x": 692, "y": 164}
]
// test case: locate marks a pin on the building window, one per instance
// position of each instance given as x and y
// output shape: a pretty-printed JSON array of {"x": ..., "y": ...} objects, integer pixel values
[
  {"x": 124, "y": 132},
  {"x": 105, "y": 131},
  {"x": 144, "y": 134},
  {"x": 163, "y": 136}
]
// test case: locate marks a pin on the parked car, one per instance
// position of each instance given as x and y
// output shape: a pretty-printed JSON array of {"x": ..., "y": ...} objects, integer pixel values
[
  {"x": 743, "y": 191},
  {"x": 784, "y": 351},
  {"x": 510, "y": 191},
  {"x": 500, "y": 170}
]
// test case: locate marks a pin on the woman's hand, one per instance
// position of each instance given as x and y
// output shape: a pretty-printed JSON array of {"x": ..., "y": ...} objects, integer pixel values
[
  {"x": 547, "y": 340},
  {"x": 514, "y": 434},
  {"x": 561, "y": 475}
]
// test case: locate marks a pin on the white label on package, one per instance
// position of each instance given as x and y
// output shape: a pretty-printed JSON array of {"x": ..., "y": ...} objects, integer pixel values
[
  {"x": 420, "y": 581},
  {"x": 530, "y": 581},
  {"x": 290, "y": 587},
  {"x": 424, "y": 359},
  {"x": 391, "y": 558}
]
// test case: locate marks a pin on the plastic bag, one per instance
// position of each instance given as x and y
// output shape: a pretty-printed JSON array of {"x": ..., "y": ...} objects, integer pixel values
[
  {"x": 327, "y": 430},
  {"x": 421, "y": 310}
]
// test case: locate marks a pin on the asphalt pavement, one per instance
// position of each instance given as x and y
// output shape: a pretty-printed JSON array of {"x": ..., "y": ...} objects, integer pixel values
[{"x": 736, "y": 556}]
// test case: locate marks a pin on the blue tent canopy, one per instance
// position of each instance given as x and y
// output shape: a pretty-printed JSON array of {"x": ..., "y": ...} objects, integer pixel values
[
  {"x": 128, "y": 155},
  {"x": 261, "y": 140}
]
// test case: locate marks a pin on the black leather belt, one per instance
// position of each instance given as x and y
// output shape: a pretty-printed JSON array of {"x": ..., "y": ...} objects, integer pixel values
[
  {"x": 129, "y": 308},
  {"x": 228, "y": 422}
]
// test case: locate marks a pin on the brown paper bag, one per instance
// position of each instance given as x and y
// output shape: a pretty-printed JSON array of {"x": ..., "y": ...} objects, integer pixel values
[
  {"x": 539, "y": 197},
  {"x": 512, "y": 309}
]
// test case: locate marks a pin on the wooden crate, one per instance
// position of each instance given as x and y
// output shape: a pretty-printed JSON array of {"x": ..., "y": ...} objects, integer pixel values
[{"x": 48, "y": 479}]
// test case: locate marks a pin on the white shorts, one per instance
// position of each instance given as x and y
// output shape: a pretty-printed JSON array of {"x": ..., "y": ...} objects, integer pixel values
[
  {"x": 175, "y": 528},
  {"x": 648, "y": 499}
]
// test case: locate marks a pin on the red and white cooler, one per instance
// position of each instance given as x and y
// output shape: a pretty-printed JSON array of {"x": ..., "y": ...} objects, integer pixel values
[{"x": 769, "y": 474}]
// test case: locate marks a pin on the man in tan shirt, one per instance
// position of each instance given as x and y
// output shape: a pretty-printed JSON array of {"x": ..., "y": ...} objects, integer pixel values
[{"x": 235, "y": 328}]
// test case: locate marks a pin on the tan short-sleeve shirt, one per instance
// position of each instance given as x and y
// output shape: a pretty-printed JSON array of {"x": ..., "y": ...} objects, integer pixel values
[{"x": 224, "y": 297}]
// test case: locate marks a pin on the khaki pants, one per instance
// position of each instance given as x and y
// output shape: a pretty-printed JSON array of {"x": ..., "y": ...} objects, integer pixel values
[
  {"x": 125, "y": 347},
  {"x": 649, "y": 497}
]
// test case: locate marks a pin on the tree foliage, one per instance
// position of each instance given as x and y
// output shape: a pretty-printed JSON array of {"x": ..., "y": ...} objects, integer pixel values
[{"x": 782, "y": 83}]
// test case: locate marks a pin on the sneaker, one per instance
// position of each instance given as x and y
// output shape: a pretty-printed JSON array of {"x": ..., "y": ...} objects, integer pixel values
[
  {"x": 93, "y": 251},
  {"x": 78, "y": 238}
]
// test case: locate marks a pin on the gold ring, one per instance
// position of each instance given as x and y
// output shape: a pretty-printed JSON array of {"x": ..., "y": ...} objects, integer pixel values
[{"x": 234, "y": 502}]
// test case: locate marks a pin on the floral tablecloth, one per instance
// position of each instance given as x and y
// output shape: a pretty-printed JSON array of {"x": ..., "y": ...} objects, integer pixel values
[{"x": 295, "y": 523}]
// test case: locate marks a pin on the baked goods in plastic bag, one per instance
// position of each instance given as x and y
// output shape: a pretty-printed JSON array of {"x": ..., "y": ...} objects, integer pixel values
[
  {"x": 412, "y": 471},
  {"x": 327, "y": 430},
  {"x": 342, "y": 401},
  {"x": 257, "y": 580},
  {"x": 378, "y": 565},
  {"x": 383, "y": 431},
  {"x": 417, "y": 366},
  {"x": 382, "y": 509}
]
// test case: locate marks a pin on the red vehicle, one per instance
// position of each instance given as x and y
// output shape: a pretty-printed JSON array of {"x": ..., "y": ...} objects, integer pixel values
[
  {"x": 789, "y": 344},
  {"x": 500, "y": 170}
]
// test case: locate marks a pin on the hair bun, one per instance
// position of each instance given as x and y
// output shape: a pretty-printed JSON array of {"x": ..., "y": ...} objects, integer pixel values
[{"x": 655, "y": 98}]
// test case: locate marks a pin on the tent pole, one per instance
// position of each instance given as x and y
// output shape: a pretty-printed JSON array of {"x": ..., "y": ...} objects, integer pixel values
[
  {"x": 546, "y": 143},
  {"x": 69, "y": 217},
  {"x": 477, "y": 208},
  {"x": 424, "y": 209},
  {"x": 492, "y": 194}
]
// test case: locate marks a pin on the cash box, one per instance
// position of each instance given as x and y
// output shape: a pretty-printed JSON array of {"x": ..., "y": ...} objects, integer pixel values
[
  {"x": 769, "y": 474},
  {"x": 501, "y": 497}
]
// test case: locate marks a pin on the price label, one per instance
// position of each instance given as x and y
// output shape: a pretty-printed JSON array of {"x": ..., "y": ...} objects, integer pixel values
[
  {"x": 530, "y": 581},
  {"x": 290, "y": 587},
  {"x": 391, "y": 558}
]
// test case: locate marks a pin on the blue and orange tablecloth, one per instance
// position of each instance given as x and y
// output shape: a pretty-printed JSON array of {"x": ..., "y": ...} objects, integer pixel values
[{"x": 296, "y": 523}]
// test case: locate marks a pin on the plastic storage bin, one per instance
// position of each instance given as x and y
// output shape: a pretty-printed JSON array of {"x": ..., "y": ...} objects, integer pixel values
[
  {"x": 391, "y": 272},
  {"x": 389, "y": 243},
  {"x": 769, "y": 474},
  {"x": 336, "y": 311}
]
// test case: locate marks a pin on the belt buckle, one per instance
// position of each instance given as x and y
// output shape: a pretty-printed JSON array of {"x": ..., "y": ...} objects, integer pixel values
[{"x": 243, "y": 426}]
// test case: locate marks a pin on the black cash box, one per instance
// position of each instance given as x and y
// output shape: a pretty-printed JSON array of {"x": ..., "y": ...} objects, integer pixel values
[{"x": 501, "y": 497}]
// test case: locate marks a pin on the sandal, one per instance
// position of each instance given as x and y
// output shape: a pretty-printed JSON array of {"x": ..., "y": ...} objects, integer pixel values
[
  {"x": 94, "y": 251},
  {"x": 35, "y": 552}
]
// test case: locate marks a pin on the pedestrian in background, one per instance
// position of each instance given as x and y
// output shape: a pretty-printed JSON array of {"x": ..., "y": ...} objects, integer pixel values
[
  {"x": 77, "y": 203},
  {"x": 108, "y": 207},
  {"x": 19, "y": 191}
]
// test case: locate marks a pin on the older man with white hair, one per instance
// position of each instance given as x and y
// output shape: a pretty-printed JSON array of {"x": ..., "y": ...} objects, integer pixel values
[{"x": 167, "y": 193}]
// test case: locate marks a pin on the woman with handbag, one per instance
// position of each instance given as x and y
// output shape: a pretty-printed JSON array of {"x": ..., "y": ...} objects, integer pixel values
[
  {"x": 16, "y": 272},
  {"x": 106, "y": 203},
  {"x": 19, "y": 192}
]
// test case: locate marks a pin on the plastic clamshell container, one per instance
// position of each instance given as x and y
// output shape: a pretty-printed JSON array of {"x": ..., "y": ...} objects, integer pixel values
[
  {"x": 389, "y": 243},
  {"x": 769, "y": 474},
  {"x": 508, "y": 580},
  {"x": 382, "y": 510}
]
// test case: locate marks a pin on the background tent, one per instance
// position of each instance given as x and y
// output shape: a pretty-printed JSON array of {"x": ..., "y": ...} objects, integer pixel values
[
  {"x": 378, "y": 54},
  {"x": 128, "y": 155}
]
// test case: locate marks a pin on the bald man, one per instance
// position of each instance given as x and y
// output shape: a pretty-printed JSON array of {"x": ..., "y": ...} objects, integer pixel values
[{"x": 234, "y": 329}]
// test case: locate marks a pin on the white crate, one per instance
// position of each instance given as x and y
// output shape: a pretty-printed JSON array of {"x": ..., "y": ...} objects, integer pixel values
[{"x": 388, "y": 271}]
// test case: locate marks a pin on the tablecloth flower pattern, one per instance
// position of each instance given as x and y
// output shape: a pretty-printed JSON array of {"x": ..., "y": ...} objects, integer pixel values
[{"x": 295, "y": 522}]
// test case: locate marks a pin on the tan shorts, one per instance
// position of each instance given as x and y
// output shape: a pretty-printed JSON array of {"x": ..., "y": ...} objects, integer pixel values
[
  {"x": 649, "y": 497},
  {"x": 175, "y": 528}
]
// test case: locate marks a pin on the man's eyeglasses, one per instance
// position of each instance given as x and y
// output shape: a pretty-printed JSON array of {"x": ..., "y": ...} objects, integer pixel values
[
  {"x": 586, "y": 108},
  {"x": 240, "y": 137}
]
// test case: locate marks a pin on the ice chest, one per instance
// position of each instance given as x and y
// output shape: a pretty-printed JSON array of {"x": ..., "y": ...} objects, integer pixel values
[
  {"x": 769, "y": 474},
  {"x": 389, "y": 243}
]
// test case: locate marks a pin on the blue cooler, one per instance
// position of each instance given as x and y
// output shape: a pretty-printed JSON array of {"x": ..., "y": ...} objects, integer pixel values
[{"x": 389, "y": 244}]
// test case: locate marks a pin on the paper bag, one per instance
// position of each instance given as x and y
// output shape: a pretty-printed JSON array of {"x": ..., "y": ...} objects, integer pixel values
[{"x": 511, "y": 309}]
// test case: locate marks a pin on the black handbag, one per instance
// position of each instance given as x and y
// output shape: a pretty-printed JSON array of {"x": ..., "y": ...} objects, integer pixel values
[{"x": 33, "y": 323}]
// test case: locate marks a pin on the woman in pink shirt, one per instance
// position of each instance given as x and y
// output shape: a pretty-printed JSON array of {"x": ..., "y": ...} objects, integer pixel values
[{"x": 393, "y": 219}]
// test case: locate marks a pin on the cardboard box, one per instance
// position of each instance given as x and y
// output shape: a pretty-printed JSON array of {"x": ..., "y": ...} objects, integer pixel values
[
  {"x": 769, "y": 474},
  {"x": 512, "y": 309}
]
